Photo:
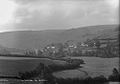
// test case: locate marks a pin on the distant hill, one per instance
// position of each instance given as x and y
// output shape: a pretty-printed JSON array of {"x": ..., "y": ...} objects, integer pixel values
[{"x": 39, "y": 39}]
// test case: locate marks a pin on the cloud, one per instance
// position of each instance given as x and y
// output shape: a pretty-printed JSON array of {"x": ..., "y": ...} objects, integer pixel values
[
  {"x": 53, "y": 14},
  {"x": 26, "y": 1}
]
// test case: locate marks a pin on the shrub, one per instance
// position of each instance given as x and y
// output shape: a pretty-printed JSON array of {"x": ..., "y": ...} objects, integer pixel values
[
  {"x": 40, "y": 71},
  {"x": 115, "y": 76}
]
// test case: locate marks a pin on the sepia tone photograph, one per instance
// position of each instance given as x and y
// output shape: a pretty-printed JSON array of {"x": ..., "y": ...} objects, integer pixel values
[{"x": 59, "y": 42}]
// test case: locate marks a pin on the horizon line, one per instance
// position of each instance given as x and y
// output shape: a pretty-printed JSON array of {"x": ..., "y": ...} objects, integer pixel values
[{"x": 20, "y": 30}]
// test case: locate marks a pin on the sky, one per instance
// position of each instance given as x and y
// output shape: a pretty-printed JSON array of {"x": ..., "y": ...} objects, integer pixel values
[{"x": 56, "y": 14}]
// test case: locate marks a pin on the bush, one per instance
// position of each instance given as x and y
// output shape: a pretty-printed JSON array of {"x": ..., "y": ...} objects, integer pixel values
[
  {"x": 70, "y": 64},
  {"x": 115, "y": 76},
  {"x": 39, "y": 71},
  {"x": 99, "y": 80}
]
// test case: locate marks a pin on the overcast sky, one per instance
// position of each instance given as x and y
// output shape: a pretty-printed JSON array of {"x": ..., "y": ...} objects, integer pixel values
[{"x": 56, "y": 14}]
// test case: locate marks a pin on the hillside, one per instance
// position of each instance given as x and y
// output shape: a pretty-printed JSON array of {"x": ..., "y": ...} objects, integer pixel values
[{"x": 39, "y": 39}]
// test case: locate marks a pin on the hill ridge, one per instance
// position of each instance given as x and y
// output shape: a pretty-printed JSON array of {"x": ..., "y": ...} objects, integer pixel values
[{"x": 39, "y": 39}]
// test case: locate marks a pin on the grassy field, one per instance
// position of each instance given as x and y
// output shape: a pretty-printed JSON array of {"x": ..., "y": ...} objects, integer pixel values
[
  {"x": 13, "y": 65},
  {"x": 94, "y": 65}
]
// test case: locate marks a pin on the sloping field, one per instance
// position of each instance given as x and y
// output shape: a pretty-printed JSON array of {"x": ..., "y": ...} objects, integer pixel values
[
  {"x": 96, "y": 66},
  {"x": 75, "y": 73},
  {"x": 13, "y": 65},
  {"x": 39, "y": 39}
]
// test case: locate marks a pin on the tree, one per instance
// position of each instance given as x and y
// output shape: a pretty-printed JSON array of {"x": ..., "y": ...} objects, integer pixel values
[
  {"x": 40, "y": 71},
  {"x": 89, "y": 42},
  {"x": 40, "y": 53},
  {"x": 97, "y": 44},
  {"x": 30, "y": 53},
  {"x": 115, "y": 75},
  {"x": 4, "y": 52}
]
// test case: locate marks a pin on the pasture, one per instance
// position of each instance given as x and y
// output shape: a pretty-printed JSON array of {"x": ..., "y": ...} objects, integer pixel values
[
  {"x": 10, "y": 66},
  {"x": 94, "y": 66}
]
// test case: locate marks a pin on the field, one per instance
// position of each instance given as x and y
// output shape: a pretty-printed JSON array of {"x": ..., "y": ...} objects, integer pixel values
[
  {"x": 94, "y": 65},
  {"x": 10, "y": 66},
  {"x": 99, "y": 66}
]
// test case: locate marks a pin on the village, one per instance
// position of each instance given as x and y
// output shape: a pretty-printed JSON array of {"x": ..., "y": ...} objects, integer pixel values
[{"x": 96, "y": 47}]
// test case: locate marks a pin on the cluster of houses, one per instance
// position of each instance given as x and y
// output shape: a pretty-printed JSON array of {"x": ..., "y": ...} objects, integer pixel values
[
  {"x": 67, "y": 49},
  {"x": 70, "y": 48}
]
